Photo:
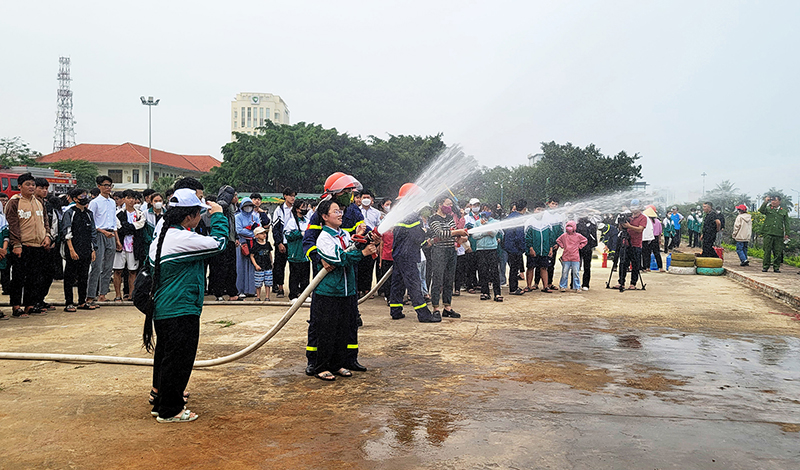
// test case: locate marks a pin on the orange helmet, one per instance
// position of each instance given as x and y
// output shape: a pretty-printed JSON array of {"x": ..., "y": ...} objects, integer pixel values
[
  {"x": 409, "y": 189},
  {"x": 331, "y": 179}
]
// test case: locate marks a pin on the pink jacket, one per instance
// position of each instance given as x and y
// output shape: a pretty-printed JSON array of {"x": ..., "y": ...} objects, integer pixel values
[{"x": 571, "y": 244}]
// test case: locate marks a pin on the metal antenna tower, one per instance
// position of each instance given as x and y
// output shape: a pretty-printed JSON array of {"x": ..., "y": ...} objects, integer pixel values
[{"x": 65, "y": 123}]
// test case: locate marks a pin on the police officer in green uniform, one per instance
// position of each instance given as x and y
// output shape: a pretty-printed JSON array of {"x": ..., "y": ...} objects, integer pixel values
[{"x": 776, "y": 230}]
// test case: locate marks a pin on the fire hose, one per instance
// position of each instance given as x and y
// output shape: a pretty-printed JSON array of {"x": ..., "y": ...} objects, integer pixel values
[{"x": 136, "y": 361}]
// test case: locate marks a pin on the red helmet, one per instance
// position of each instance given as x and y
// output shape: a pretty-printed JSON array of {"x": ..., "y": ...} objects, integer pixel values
[
  {"x": 331, "y": 179},
  {"x": 344, "y": 182},
  {"x": 409, "y": 189}
]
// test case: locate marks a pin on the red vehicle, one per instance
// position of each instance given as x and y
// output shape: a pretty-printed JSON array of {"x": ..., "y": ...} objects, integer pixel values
[{"x": 60, "y": 182}]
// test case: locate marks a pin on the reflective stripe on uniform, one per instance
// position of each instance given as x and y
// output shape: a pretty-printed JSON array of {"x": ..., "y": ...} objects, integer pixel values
[
  {"x": 311, "y": 348},
  {"x": 353, "y": 227},
  {"x": 314, "y": 227},
  {"x": 396, "y": 305},
  {"x": 308, "y": 253},
  {"x": 352, "y": 346},
  {"x": 409, "y": 225},
  {"x": 420, "y": 306}
]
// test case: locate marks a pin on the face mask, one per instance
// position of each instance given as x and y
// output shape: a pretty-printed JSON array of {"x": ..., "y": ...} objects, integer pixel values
[
  {"x": 570, "y": 229},
  {"x": 447, "y": 210},
  {"x": 344, "y": 200},
  {"x": 137, "y": 206},
  {"x": 247, "y": 209},
  {"x": 387, "y": 208},
  {"x": 366, "y": 201},
  {"x": 158, "y": 205},
  {"x": 302, "y": 212},
  {"x": 83, "y": 201}
]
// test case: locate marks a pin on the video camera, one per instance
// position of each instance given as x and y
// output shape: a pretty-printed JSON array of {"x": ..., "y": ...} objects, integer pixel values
[{"x": 620, "y": 219}]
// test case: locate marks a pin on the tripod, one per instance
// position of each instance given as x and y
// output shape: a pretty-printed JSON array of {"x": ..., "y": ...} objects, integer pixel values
[{"x": 622, "y": 252}]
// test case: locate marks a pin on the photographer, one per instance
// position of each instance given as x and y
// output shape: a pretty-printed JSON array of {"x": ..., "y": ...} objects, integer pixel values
[{"x": 630, "y": 244}]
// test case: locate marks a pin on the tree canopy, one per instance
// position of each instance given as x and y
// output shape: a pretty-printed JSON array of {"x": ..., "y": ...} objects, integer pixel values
[
  {"x": 302, "y": 155},
  {"x": 15, "y": 151},
  {"x": 83, "y": 171}
]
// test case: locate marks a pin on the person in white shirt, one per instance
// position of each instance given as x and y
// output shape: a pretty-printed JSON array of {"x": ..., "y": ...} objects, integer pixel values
[
  {"x": 104, "y": 209},
  {"x": 279, "y": 220},
  {"x": 372, "y": 218}
]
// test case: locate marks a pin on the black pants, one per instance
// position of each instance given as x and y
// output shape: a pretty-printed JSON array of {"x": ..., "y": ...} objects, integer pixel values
[
  {"x": 364, "y": 281},
  {"x": 629, "y": 255},
  {"x": 515, "y": 266},
  {"x": 176, "y": 348},
  {"x": 335, "y": 319},
  {"x": 586, "y": 265},
  {"x": 676, "y": 241},
  {"x": 5, "y": 278},
  {"x": 222, "y": 272},
  {"x": 488, "y": 272},
  {"x": 279, "y": 271},
  {"x": 551, "y": 270},
  {"x": 76, "y": 273},
  {"x": 471, "y": 269},
  {"x": 28, "y": 277},
  {"x": 461, "y": 273},
  {"x": 298, "y": 278},
  {"x": 386, "y": 288},
  {"x": 405, "y": 277},
  {"x": 651, "y": 247},
  {"x": 708, "y": 246}
]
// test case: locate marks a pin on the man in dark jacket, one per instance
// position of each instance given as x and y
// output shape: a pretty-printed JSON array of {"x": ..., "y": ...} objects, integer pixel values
[
  {"x": 80, "y": 243},
  {"x": 588, "y": 229},
  {"x": 514, "y": 244}
]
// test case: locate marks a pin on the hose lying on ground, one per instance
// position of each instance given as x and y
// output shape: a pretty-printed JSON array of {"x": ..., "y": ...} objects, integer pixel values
[{"x": 136, "y": 361}]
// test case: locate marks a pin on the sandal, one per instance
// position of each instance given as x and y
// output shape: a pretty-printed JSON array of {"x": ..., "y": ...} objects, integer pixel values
[
  {"x": 184, "y": 417},
  {"x": 70, "y": 308},
  {"x": 617, "y": 287},
  {"x": 3, "y": 316},
  {"x": 19, "y": 313},
  {"x": 85, "y": 306},
  {"x": 472, "y": 291},
  {"x": 633, "y": 288},
  {"x": 117, "y": 299},
  {"x": 529, "y": 289},
  {"x": 326, "y": 376},
  {"x": 498, "y": 298},
  {"x": 344, "y": 372},
  {"x": 485, "y": 297}
]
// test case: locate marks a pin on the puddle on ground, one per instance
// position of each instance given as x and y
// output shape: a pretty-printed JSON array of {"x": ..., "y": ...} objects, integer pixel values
[{"x": 547, "y": 382}]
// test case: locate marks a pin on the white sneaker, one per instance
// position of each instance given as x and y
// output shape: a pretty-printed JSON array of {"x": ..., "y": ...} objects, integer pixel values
[
  {"x": 584, "y": 288},
  {"x": 307, "y": 301}
]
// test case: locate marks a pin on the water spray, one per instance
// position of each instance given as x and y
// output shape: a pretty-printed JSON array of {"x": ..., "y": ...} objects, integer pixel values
[
  {"x": 594, "y": 208},
  {"x": 448, "y": 169}
]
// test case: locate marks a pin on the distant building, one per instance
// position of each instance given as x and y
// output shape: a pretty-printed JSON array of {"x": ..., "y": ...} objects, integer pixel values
[
  {"x": 639, "y": 186},
  {"x": 534, "y": 158},
  {"x": 251, "y": 110},
  {"x": 127, "y": 164}
]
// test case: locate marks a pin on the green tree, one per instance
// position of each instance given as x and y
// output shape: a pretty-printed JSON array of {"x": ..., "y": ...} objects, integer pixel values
[
  {"x": 15, "y": 151},
  {"x": 726, "y": 196},
  {"x": 302, "y": 155},
  {"x": 83, "y": 171},
  {"x": 162, "y": 184}
]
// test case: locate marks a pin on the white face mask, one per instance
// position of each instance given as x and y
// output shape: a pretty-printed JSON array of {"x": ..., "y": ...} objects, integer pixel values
[
  {"x": 248, "y": 209},
  {"x": 365, "y": 201},
  {"x": 137, "y": 206},
  {"x": 158, "y": 205}
]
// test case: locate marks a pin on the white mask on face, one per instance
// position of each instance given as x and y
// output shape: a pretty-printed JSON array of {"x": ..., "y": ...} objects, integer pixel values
[
  {"x": 247, "y": 209},
  {"x": 365, "y": 201},
  {"x": 137, "y": 206},
  {"x": 158, "y": 205}
]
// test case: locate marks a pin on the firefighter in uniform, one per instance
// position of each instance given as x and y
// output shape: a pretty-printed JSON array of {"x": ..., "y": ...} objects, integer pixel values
[
  {"x": 338, "y": 187},
  {"x": 408, "y": 236}
]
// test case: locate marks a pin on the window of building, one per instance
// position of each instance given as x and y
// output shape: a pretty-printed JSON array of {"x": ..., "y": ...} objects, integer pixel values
[
  {"x": 261, "y": 116},
  {"x": 235, "y": 124},
  {"x": 115, "y": 175},
  {"x": 135, "y": 174},
  {"x": 286, "y": 117},
  {"x": 242, "y": 116},
  {"x": 235, "y": 115},
  {"x": 277, "y": 117},
  {"x": 249, "y": 122},
  {"x": 266, "y": 113},
  {"x": 155, "y": 176}
]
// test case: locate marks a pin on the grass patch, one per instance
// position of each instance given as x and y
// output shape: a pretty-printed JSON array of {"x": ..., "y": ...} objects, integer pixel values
[{"x": 224, "y": 323}]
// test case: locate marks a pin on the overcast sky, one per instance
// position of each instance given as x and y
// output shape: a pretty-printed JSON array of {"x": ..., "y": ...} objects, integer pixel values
[{"x": 696, "y": 86}]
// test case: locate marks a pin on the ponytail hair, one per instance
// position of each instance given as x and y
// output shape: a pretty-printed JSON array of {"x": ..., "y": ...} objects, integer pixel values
[{"x": 174, "y": 216}]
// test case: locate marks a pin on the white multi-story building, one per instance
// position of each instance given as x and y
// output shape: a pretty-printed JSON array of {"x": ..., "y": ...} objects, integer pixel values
[{"x": 252, "y": 110}]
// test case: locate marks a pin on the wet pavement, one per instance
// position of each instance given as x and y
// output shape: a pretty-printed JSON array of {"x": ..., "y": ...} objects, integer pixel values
[{"x": 693, "y": 373}]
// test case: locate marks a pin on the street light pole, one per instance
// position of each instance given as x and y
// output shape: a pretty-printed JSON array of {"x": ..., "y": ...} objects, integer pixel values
[
  {"x": 149, "y": 102},
  {"x": 797, "y": 203}
]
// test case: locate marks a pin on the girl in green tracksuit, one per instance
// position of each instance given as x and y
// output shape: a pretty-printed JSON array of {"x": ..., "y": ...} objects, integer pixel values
[{"x": 176, "y": 261}]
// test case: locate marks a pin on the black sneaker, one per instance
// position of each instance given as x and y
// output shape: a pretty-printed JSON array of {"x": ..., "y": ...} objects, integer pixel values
[
  {"x": 777, "y": 270},
  {"x": 310, "y": 369},
  {"x": 451, "y": 314},
  {"x": 355, "y": 366},
  {"x": 398, "y": 317},
  {"x": 763, "y": 270}
]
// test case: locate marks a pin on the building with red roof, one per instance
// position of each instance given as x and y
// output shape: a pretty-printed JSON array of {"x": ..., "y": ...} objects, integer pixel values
[{"x": 127, "y": 164}]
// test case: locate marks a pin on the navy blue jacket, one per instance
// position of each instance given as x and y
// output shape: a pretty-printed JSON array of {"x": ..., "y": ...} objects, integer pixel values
[
  {"x": 514, "y": 238},
  {"x": 408, "y": 238}
]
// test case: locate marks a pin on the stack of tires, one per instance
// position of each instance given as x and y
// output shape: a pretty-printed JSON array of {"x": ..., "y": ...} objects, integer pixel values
[
  {"x": 709, "y": 266},
  {"x": 682, "y": 263}
]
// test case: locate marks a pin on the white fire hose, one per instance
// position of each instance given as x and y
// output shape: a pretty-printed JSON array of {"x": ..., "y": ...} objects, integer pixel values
[{"x": 136, "y": 361}]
